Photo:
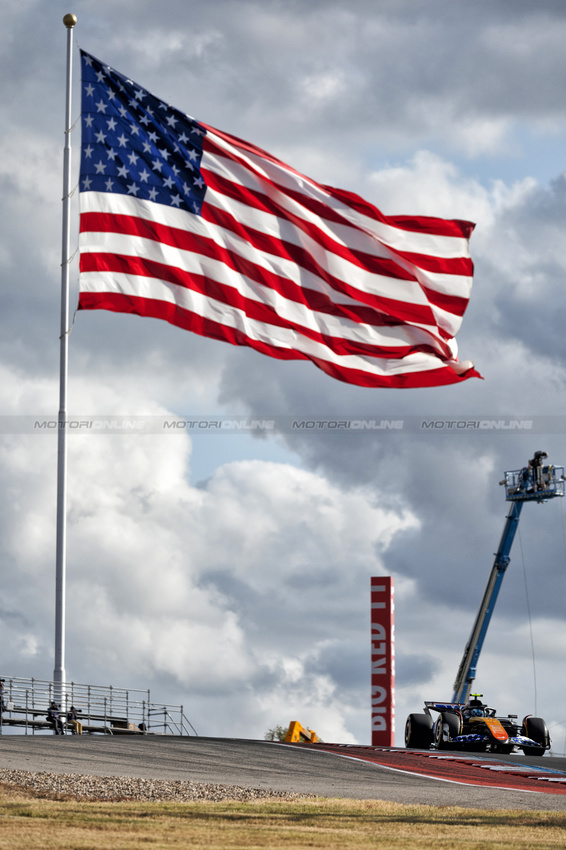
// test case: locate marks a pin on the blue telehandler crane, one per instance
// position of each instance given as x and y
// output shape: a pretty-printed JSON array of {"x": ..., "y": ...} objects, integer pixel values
[
  {"x": 536, "y": 482},
  {"x": 469, "y": 724}
]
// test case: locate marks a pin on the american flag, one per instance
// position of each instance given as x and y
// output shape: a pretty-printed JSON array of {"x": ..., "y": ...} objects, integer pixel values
[{"x": 182, "y": 222}]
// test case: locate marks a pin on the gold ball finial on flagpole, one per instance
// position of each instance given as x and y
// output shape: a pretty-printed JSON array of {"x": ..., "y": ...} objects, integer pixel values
[{"x": 70, "y": 21}]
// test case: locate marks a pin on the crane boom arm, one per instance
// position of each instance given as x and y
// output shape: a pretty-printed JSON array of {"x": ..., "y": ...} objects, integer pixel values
[{"x": 468, "y": 665}]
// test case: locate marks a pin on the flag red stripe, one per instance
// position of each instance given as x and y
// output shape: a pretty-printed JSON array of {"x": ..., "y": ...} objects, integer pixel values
[
  {"x": 398, "y": 310},
  {"x": 402, "y": 310},
  {"x": 450, "y": 303},
  {"x": 256, "y": 310},
  {"x": 265, "y": 203},
  {"x": 390, "y": 310},
  {"x": 416, "y": 224},
  {"x": 206, "y": 327}
]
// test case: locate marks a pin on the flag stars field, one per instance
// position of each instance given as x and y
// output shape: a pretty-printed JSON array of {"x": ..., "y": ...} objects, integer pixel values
[{"x": 111, "y": 120}]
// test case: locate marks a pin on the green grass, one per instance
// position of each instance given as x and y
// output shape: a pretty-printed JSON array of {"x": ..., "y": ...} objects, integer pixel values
[{"x": 29, "y": 822}]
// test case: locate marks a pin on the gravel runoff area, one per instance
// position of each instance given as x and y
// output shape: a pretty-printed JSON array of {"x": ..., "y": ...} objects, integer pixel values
[{"x": 115, "y": 788}]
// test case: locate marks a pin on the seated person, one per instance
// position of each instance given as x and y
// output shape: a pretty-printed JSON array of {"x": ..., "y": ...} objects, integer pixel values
[
  {"x": 74, "y": 722},
  {"x": 55, "y": 719}
]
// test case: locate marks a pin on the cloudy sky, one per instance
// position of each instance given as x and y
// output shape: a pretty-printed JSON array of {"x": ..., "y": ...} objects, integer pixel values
[{"x": 229, "y": 571}]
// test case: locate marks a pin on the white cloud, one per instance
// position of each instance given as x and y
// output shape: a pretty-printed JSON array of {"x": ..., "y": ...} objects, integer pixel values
[
  {"x": 195, "y": 585},
  {"x": 432, "y": 185},
  {"x": 323, "y": 86}
]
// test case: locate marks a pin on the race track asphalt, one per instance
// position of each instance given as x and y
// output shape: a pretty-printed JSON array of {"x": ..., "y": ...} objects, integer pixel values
[{"x": 260, "y": 764}]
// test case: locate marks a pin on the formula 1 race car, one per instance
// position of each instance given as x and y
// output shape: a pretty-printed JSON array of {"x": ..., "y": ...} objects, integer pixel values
[{"x": 474, "y": 726}]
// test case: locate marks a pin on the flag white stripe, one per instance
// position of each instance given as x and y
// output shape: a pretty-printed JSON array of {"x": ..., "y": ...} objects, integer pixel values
[
  {"x": 400, "y": 289},
  {"x": 231, "y": 317},
  {"x": 337, "y": 266},
  {"x": 352, "y": 238},
  {"x": 289, "y": 310},
  {"x": 437, "y": 245},
  {"x": 405, "y": 291}
]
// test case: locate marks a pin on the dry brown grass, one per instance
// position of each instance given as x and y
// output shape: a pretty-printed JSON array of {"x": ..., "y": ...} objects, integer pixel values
[{"x": 27, "y": 821}]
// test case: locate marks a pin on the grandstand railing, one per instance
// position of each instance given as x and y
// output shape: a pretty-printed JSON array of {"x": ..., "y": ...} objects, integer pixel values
[{"x": 103, "y": 709}]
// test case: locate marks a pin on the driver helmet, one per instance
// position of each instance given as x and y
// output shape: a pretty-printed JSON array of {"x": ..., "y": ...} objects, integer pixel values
[{"x": 477, "y": 712}]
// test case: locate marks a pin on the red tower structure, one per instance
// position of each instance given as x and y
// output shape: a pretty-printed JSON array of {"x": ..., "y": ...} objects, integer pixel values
[{"x": 382, "y": 662}]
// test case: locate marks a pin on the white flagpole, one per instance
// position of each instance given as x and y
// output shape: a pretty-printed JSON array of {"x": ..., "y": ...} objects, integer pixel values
[{"x": 59, "y": 675}]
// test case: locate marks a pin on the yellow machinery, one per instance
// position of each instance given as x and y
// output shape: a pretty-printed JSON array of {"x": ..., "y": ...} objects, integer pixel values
[{"x": 297, "y": 734}]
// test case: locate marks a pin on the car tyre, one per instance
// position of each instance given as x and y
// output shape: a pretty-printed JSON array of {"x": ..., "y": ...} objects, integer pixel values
[
  {"x": 418, "y": 732},
  {"x": 453, "y": 724},
  {"x": 535, "y": 729}
]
